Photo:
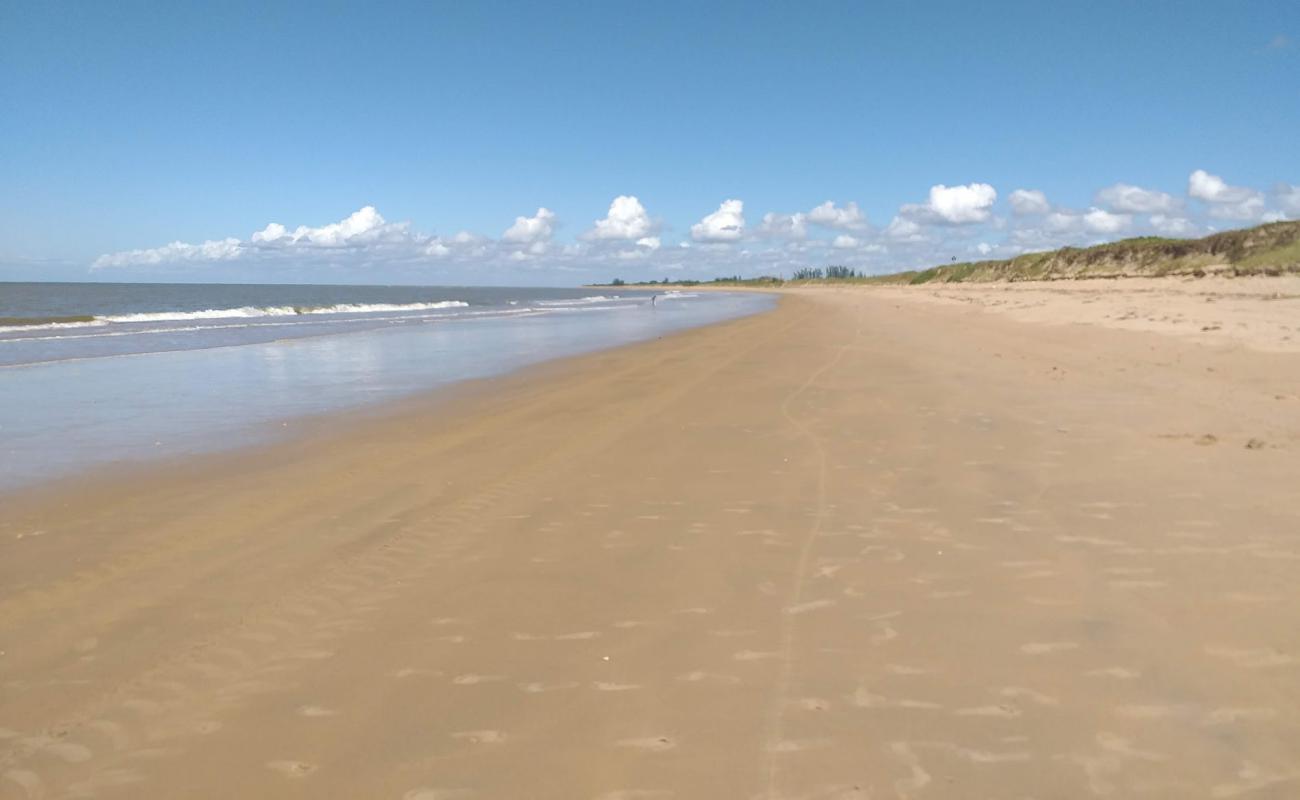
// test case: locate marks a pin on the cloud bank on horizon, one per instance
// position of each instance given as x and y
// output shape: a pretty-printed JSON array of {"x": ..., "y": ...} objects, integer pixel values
[{"x": 962, "y": 222}]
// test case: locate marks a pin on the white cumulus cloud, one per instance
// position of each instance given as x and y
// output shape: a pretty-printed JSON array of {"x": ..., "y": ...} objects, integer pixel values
[
  {"x": 785, "y": 226},
  {"x": 1124, "y": 197},
  {"x": 271, "y": 233},
  {"x": 955, "y": 205},
  {"x": 727, "y": 224},
  {"x": 1101, "y": 221},
  {"x": 904, "y": 230},
  {"x": 176, "y": 252},
  {"x": 1029, "y": 202},
  {"x": 1225, "y": 201},
  {"x": 362, "y": 231},
  {"x": 627, "y": 219},
  {"x": 531, "y": 230},
  {"x": 1173, "y": 226},
  {"x": 951, "y": 220},
  {"x": 1094, "y": 220},
  {"x": 365, "y": 226},
  {"x": 848, "y": 218}
]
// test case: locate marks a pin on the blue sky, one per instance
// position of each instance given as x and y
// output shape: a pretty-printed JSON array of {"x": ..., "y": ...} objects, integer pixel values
[{"x": 400, "y": 142}]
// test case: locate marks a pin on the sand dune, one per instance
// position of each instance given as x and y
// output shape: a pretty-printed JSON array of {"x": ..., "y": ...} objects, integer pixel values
[
  {"x": 864, "y": 546},
  {"x": 1256, "y": 313}
]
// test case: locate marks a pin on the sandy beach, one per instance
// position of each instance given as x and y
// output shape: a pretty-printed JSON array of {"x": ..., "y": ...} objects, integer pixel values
[{"x": 949, "y": 542}]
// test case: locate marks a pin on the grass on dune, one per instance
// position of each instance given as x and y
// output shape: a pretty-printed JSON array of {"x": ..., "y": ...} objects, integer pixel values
[{"x": 1271, "y": 249}]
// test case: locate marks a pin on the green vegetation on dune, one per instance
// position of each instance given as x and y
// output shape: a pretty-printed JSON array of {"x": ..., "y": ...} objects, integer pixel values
[{"x": 1271, "y": 249}]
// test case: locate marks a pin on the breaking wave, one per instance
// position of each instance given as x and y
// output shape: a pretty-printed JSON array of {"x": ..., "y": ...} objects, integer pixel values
[{"x": 81, "y": 321}]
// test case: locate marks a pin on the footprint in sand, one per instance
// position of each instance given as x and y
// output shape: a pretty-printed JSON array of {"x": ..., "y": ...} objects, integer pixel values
[
  {"x": 1002, "y": 710},
  {"x": 407, "y": 672},
  {"x": 813, "y": 704},
  {"x": 1045, "y": 648},
  {"x": 1252, "y": 779},
  {"x": 69, "y": 752},
  {"x": 292, "y": 769},
  {"x": 1029, "y": 694},
  {"x": 918, "y": 778},
  {"x": 27, "y": 780},
  {"x": 904, "y": 669},
  {"x": 1119, "y": 673},
  {"x": 839, "y": 791},
  {"x": 1035, "y": 574},
  {"x": 480, "y": 737},
  {"x": 1131, "y": 584},
  {"x": 982, "y": 756},
  {"x": 1129, "y": 571},
  {"x": 1152, "y": 712},
  {"x": 312, "y": 655},
  {"x": 538, "y": 687},
  {"x": 1248, "y": 598},
  {"x": 812, "y": 605},
  {"x": 700, "y": 676},
  {"x": 1260, "y": 658},
  {"x": 656, "y": 744},
  {"x": 1227, "y": 716},
  {"x": 862, "y": 698},
  {"x": 884, "y": 633},
  {"x": 798, "y": 746},
  {"x": 436, "y": 794},
  {"x": 949, "y": 594},
  {"x": 115, "y": 733},
  {"x": 471, "y": 679},
  {"x": 755, "y": 655}
]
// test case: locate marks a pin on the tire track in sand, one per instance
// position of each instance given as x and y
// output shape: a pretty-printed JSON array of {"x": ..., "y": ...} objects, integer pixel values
[{"x": 782, "y": 691}]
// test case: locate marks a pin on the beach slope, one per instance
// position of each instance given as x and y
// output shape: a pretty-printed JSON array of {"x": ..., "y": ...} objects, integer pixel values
[{"x": 868, "y": 545}]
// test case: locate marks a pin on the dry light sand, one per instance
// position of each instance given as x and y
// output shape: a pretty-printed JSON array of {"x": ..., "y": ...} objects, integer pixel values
[{"x": 875, "y": 544}]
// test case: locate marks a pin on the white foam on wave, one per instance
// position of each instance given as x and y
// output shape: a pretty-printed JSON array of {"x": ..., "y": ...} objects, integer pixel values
[
  {"x": 242, "y": 312},
  {"x": 49, "y": 326},
  {"x": 579, "y": 301},
  {"x": 289, "y": 316},
  {"x": 104, "y": 331},
  {"x": 279, "y": 311}
]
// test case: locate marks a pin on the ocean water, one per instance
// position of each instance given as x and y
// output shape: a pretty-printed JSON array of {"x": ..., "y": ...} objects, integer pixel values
[{"x": 96, "y": 374}]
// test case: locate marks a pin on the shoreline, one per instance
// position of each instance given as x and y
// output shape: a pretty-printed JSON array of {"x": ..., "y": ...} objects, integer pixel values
[
  {"x": 177, "y": 401},
  {"x": 859, "y": 543},
  {"x": 326, "y": 429}
]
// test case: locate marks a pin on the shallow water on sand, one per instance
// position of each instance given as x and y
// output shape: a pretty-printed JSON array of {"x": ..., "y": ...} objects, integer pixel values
[{"x": 170, "y": 382}]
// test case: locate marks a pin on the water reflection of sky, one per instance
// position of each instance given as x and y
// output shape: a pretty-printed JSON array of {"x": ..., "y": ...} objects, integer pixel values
[{"x": 64, "y": 417}]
